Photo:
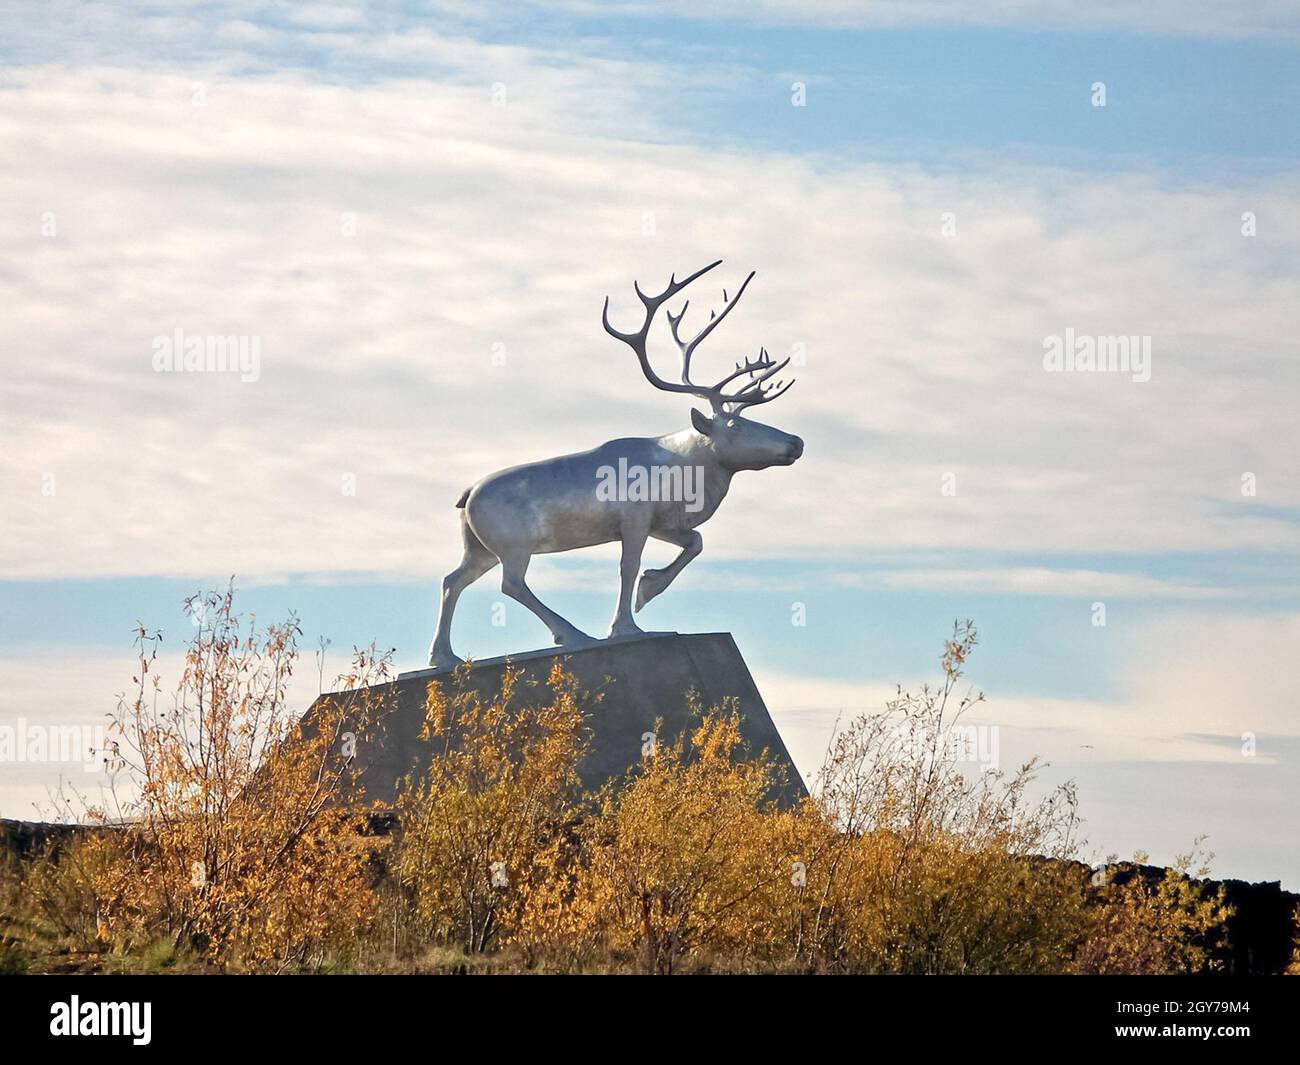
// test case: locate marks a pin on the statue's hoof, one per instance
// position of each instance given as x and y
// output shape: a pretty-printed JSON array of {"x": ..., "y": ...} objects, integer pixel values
[
  {"x": 445, "y": 661},
  {"x": 646, "y": 589}
]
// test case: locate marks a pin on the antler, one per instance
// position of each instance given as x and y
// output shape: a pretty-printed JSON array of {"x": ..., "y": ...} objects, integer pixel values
[{"x": 761, "y": 370}]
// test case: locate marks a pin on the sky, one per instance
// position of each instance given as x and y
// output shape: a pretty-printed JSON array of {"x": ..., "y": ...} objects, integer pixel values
[{"x": 415, "y": 211}]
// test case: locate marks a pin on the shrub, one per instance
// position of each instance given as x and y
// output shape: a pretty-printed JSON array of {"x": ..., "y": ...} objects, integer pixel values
[
  {"x": 237, "y": 834},
  {"x": 1142, "y": 926},
  {"x": 484, "y": 827}
]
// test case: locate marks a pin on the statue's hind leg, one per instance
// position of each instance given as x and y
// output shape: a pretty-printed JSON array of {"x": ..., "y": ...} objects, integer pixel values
[
  {"x": 514, "y": 565},
  {"x": 477, "y": 561}
]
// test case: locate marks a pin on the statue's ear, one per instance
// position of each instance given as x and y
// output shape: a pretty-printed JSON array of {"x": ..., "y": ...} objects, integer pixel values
[{"x": 702, "y": 422}]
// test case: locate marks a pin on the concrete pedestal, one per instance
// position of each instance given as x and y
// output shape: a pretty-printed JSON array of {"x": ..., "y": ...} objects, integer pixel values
[{"x": 640, "y": 679}]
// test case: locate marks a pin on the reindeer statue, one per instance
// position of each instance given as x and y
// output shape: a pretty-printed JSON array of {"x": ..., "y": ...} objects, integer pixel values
[{"x": 566, "y": 503}]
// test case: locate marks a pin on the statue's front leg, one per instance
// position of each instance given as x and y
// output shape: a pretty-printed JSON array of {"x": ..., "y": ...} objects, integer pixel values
[
  {"x": 654, "y": 581},
  {"x": 634, "y": 538}
]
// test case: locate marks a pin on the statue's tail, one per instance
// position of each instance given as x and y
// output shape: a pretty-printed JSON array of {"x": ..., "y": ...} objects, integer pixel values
[{"x": 460, "y": 503}]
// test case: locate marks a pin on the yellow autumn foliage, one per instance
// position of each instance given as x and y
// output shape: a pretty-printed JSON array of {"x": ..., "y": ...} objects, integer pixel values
[
  {"x": 679, "y": 858},
  {"x": 902, "y": 861},
  {"x": 241, "y": 838},
  {"x": 1139, "y": 927},
  {"x": 234, "y": 832},
  {"x": 483, "y": 828}
]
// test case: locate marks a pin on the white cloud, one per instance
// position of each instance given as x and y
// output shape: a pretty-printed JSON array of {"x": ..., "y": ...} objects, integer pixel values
[
  {"x": 325, "y": 16},
  {"x": 1189, "y": 688},
  {"x": 479, "y": 225},
  {"x": 193, "y": 29},
  {"x": 1212, "y": 18},
  {"x": 1043, "y": 580},
  {"x": 1158, "y": 764},
  {"x": 56, "y": 688}
]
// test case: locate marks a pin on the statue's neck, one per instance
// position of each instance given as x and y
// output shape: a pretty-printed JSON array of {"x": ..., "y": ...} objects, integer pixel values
[{"x": 695, "y": 449}]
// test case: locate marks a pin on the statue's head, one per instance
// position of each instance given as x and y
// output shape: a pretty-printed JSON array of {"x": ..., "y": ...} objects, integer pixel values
[
  {"x": 742, "y": 444},
  {"x": 737, "y": 442}
]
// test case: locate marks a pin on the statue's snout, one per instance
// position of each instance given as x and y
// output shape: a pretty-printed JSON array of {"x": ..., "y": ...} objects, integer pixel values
[{"x": 793, "y": 449}]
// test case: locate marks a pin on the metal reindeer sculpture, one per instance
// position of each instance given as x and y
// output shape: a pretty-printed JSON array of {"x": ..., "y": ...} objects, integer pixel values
[{"x": 567, "y": 502}]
